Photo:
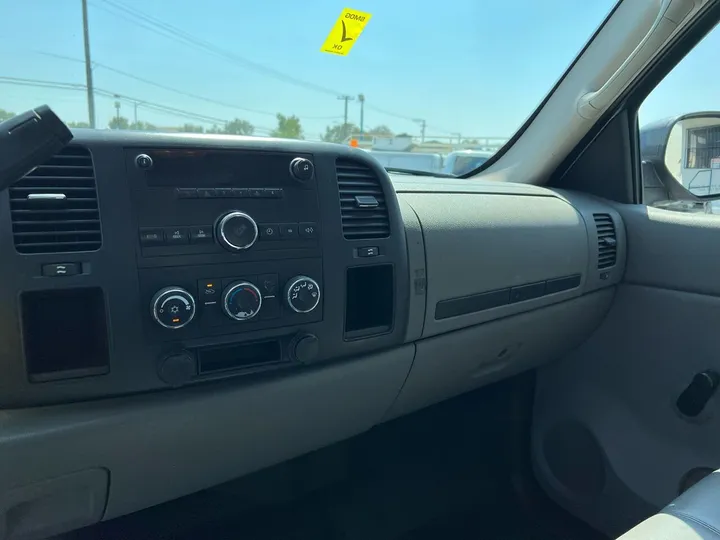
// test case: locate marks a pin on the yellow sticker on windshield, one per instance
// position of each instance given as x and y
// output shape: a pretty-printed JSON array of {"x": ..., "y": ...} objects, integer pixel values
[{"x": 345, "y": 32}]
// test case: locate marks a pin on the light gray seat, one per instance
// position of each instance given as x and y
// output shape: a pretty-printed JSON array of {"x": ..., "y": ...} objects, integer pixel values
[{"x": 695, "y": 515}]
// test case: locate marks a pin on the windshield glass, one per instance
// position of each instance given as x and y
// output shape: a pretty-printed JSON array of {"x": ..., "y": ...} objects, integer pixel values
[
  {"x": 415, "y": 77},
  {"x": 464, "y": 164}
]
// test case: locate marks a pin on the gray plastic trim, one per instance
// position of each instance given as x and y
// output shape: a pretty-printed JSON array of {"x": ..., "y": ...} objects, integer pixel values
[
  {"x": 498, "y": 349},
  {"x": 587, "y": 206},
  {"x": 418, "y": 273},
  {"x": 162, "y": 446},
  {"x": 477, "y": 243}
]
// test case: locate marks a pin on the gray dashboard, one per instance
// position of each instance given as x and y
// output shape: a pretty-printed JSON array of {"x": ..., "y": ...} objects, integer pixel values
[{"x": 497, "y": 279}]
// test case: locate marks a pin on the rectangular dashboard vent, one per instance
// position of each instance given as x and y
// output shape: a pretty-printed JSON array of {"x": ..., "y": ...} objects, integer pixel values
[
  {"x": 54, "y": 208},
  {"x": 607, "y": 240},
  {"x": 362, "y": 202}
]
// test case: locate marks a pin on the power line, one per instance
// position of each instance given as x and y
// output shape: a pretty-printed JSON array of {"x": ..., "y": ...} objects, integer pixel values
[
  {"x": 160, "y": 27},
  {"x": 176, "y": 90},
  {"x": 180, "y": 35},
  {"x": 157, "y": 107}
]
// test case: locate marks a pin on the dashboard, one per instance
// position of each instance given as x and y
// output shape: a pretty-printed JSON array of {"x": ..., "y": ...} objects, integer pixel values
[{"x": 248, "y": 300}]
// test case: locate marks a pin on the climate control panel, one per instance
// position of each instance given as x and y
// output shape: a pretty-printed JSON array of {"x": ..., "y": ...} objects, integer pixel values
[{"x": 185, "y": 302}]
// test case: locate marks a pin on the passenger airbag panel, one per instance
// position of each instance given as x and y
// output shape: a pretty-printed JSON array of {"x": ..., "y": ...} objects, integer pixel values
[{"x": 490, "y": 256}]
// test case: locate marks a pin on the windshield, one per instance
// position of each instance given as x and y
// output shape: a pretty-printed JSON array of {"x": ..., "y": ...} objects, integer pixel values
[
  {"x": 432, "y": 78},
  {"x": 409, "y": 160},
  {"x": 464, "y": 164}
]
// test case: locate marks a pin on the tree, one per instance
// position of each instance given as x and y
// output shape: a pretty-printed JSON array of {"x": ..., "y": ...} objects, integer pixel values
[
  {"x": 78, "y": 124},
  {"x": 381, "y": 131},
  {"x": 143, "y": 126},
  {"x": 403, "y": 135},
  {"x": 339, "y": 132},
  {"x": 470, "y": 141},
  {"x": 239, "y": 127},
  {"x": 288, "y": 127},
  {"x": 192, "y": 128},
  {"x": 119, "y": 122},
  {"x": 5, "y": 115}
]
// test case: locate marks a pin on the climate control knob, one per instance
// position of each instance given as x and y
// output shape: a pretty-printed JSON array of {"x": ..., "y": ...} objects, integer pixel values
[
  {"x": 241, "y": 301},
  {"x": 236, "y": 231},
  {"x": 173, "y": 307},
  {"x": 302, "y": 294}
]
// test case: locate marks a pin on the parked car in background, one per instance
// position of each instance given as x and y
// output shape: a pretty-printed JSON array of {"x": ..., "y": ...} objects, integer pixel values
[
  {"x": 464, "y": 161},
  {"x": 409, "y": 160}
]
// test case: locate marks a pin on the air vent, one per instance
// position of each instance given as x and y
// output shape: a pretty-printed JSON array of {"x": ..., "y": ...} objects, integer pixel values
[
  {"x": 55, "y": 208},
  {"x": 607, "y": 241},
  {"x": 362, "y": 202}
]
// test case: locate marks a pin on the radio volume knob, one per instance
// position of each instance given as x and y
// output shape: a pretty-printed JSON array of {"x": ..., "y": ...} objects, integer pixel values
[
  {"x": 236, "y": 231},
  {"x": 302, "y": 294}
]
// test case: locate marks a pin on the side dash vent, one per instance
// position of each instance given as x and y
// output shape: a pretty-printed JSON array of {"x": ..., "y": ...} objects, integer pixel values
[
  {"x": 362, "y": 202},
  {"x": 607, "y": 240},
  {"x": 54, "y": 208}
]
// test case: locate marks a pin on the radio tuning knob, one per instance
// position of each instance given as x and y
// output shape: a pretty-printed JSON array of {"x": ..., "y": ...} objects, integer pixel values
[
  {"x": 302, "y": 169},
  {"x": 236, "y": 231}
]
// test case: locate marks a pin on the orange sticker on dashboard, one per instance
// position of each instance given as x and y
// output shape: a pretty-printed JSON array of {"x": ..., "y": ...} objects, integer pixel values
[{"x": 345, "y": 32}]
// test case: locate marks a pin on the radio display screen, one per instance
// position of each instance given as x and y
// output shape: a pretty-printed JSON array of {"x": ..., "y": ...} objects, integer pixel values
[{"x": 193, "y": 168}]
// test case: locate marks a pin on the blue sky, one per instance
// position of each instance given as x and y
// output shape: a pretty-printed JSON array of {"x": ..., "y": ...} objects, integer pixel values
[{"x": 474, "y": 67}]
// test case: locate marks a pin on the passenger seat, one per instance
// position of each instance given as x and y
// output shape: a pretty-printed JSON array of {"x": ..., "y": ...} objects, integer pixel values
[{"x": 694, "y": 515}]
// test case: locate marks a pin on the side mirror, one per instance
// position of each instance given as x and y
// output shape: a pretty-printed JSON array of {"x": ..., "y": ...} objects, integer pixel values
[{"x": 685, "y": 153}]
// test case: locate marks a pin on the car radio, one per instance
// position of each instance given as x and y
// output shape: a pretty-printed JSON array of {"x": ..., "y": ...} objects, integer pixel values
[{"x": 193, "y": 202}]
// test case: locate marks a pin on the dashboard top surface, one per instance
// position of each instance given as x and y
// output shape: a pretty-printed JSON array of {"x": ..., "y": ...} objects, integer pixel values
[{"x": 401, "y": 182}]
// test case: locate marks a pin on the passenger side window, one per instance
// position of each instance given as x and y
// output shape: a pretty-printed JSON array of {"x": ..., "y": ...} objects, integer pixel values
[{"x": 680, "y": 134}]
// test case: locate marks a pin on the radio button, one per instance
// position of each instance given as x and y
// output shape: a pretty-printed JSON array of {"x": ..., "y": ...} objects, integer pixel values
[
  {"x": 240, "y": 193},
  {"x": 308, "y": 230},
  {"x": 257, "y": 193},
  {"x": 206, "y": 193},
  {"x": 274, "y": 193},
  {"x": 186, "y": 193},
  {"x": 269, "y": 231},
  {"x": 288, "y": 230},
  {"x": 176, "y": 235},
  {"x": 151, "y": 237},
  {"x": 201, "y": 235}
]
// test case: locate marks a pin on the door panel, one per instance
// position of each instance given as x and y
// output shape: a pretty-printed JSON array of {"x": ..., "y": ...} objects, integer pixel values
[{"x": 609, "y": 443}]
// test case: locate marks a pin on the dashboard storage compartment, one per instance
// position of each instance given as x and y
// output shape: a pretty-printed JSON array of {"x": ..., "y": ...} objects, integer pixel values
[
  {"x": 239, "y": 356},
  {"x": 65, "y": 333},
  {"x": 369, "y": 301}
]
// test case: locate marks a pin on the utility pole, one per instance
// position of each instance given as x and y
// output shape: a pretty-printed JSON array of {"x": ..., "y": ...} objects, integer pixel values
[
  {"x": 117, "y": 114},
  {"x": 459, "y": 137},
  {"x": 88, "y": 67},
  {"x": 135, "y": 115},
  {"x": 361, "y": 99},
  {"x": 423, "y": 124},
  {"x": 345, "y": 122}
]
